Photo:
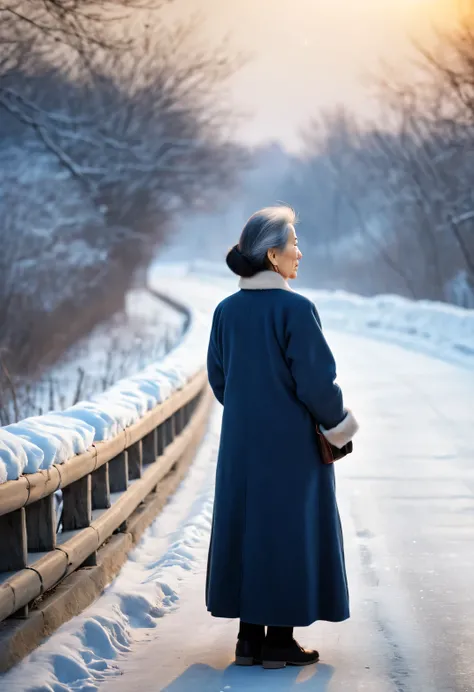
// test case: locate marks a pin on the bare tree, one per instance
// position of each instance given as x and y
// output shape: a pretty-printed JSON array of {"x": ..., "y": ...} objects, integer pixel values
[
  {"x": 61, "y": 32},
  {"x": 98, "y": 156},
  {"x": 407, "y": 181},
  {"x": 76, "y": 24}
]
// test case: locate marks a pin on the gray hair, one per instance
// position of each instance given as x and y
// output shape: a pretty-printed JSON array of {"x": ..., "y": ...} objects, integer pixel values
[{"x": 266, "y": 229}]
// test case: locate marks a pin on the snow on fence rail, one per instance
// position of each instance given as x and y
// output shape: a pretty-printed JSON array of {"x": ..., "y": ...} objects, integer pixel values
[
  {"x": 105, "y": 456},
  {"x": 33, "y": 559}
]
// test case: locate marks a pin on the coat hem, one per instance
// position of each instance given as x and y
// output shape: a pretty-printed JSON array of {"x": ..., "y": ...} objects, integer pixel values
[{"x": 274, "y": 623}]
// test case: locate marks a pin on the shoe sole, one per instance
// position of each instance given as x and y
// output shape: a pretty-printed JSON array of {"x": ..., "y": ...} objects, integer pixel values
[{"x": 276, "y": 665}]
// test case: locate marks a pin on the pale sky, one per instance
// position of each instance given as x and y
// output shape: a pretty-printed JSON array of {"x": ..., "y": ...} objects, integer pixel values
[{"x": 313, "y": 54}]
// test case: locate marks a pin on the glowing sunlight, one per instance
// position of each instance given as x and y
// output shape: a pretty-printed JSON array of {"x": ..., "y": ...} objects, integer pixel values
[{"x": 309, "y": 55}]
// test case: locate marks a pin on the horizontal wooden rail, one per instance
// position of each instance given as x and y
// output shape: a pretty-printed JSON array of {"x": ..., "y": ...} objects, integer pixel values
[
  {"x": 35, "y": 486},
  {"x": 101, "y": 489}
]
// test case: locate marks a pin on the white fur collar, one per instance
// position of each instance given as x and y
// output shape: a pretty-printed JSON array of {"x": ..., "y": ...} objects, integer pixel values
[{"x": 263, "y": 281}]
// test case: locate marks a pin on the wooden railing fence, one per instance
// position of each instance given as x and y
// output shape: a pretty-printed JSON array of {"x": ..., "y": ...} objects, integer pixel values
[{"x": 100, "y": 489}]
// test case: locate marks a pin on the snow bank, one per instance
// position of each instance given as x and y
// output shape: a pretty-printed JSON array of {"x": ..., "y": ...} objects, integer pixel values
[
  {"x": 122, "y": 346},
  {"x": 38, "y": 442},
  {"x": 440, "y": 329}
]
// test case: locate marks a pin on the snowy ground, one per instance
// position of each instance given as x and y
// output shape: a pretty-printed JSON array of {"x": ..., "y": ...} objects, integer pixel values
[
  {"x": 124, "y": 345},
  {"x": 407, "y": 504},
  {"x": 138, "y": 335},
  {"x": 116, "y": 390}
]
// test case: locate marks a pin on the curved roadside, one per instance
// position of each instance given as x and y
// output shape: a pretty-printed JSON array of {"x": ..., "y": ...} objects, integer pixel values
[{"x": 172, "y": 383}]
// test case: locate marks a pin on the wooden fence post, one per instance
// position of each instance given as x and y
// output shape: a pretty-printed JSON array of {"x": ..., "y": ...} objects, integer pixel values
[
  {"x": 118, "y": 473},
  {"x": 150, "y": 447},
  {"x": 179, "y": 421},
  {"x": 41, "y": 525},
  {"x": 77, "y": 504},
  {"x": 101, "y": 487},
  {"x": 13, "y": 542},
  {"x": 169, "y": 430},
  {"x": 187, "y": 413},
  {"x": 160, "y": 440},
  {"x": 135, "y": 460}
]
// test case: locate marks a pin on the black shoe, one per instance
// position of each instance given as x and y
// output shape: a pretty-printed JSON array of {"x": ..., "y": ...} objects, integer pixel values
[
  {"x": 248, "y": 652},
  {"x": 292, "y": 655}
]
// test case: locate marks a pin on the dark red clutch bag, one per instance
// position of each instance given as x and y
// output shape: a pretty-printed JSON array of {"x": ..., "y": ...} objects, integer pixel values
[{"x": 328, "y": 452}]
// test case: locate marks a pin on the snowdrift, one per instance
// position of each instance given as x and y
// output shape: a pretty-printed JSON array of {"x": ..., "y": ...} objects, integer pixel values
[{"x": 39, "y": 442}]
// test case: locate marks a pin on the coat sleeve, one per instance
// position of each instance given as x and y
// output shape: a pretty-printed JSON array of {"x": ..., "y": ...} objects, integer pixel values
[
  {"x": 215, "y": 370},
  {"x": 313, "y": 367}
]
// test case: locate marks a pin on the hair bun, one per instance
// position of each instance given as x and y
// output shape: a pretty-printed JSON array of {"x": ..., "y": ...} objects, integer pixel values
[{"x": 239, "y": 263}]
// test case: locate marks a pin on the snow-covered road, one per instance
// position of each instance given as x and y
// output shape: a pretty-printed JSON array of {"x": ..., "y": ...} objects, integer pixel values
[{"x": 407, "y": 504}]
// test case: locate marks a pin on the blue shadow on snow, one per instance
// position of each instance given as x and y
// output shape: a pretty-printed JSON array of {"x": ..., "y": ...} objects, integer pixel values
[{"x": 234, "y": 678}]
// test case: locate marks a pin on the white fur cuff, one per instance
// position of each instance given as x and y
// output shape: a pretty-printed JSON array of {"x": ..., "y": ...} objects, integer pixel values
[{"x": 342, "y": 433}]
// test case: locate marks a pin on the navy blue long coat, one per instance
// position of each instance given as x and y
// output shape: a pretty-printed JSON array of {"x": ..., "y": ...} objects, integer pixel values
[{"x": 276, "y": 554}]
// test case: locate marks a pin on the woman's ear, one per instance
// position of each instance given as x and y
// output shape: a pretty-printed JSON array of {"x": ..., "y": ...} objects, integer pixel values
[{"x": 272, "y": 258}]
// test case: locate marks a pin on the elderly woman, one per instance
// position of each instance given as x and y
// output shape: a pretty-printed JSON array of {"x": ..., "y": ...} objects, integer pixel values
[{"x": 276, "y": 555}]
